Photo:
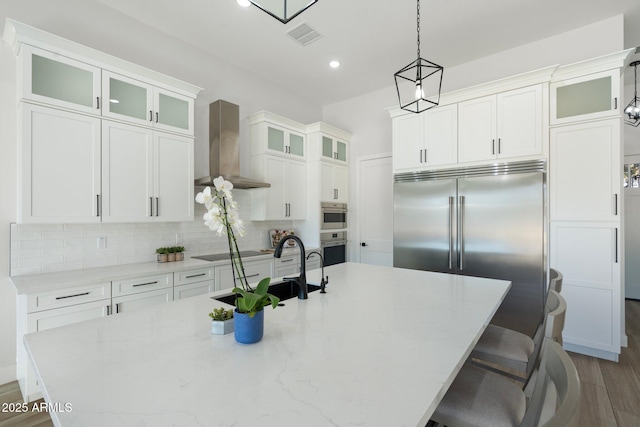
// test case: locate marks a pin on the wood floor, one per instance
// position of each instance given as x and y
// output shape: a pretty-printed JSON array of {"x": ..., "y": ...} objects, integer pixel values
[
  {"x": 9, "y": 397},
  {"x": 610, "y": 391}
]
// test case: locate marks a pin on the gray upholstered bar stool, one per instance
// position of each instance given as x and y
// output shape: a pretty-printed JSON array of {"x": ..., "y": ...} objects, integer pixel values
[
  {"x": 480, "y": 398},
  {"x": 555, "y": 281},
  {"x": 517, "y": 351}
]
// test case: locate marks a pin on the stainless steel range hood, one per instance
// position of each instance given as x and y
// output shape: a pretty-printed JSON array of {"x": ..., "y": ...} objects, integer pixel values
[{"x": 224, "y": 147}]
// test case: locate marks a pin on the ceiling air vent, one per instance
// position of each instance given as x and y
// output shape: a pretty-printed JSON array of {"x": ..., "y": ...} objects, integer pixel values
[{"x": 304, "y": 34}]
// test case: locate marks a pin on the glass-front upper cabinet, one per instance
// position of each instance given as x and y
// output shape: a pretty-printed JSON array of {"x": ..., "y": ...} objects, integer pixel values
[
  {"x": 285, "y": 141},
  {"x": 334, "y": 149},
  {"x": 139, "y": 102},
  {"x": 60, "y": 81},
  {"x": 585, "y": 98}
]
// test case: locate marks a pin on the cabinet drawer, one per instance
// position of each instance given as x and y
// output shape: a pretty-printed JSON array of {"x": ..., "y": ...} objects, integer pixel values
[
  {"x": 193, "y": 289},
  {"x": 142, "y": 284},
  {"x": 140, "y": 300},
  {"x": 67, "y": 297},
  {"x": 193, "y": 276},
  {"x": 255, "y": 271},
  {"x": 63, "y": 316}
]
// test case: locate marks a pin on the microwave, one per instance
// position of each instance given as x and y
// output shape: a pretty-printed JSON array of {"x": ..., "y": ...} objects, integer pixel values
[{"x": 333, "y": 215}]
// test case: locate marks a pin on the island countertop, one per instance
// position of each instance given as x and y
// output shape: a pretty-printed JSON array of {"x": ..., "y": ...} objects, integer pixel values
[{"x": 380, "y": 348}]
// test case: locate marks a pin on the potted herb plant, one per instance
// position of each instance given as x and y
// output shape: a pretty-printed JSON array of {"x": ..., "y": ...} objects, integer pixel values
[
  {"x": 179, "y": 253},
  {"x": 221, "y": 321},
  {"x": 171, "y": 254},
  {"x": 163, "y": 255},
  {"x": 223, "y": 218}
]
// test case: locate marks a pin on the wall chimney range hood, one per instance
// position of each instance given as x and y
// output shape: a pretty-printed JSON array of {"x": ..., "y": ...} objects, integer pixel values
[{"x": 224, "y": 147}]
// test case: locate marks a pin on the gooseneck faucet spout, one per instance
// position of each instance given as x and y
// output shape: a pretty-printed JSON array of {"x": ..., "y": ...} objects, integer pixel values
[{"x": 300, "y": 281}]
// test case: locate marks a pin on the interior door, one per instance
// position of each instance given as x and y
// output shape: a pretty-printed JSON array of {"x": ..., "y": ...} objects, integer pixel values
[
  {"x": 375, "y": 227},
  {"x": 424, "y": 232},
  {"x": 501, "y": 229}
]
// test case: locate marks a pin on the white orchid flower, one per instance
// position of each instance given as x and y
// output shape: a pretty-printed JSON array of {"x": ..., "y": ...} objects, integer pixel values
[
  {"x": 205, "y": 198},
  {"x": 223, "y": 186}
]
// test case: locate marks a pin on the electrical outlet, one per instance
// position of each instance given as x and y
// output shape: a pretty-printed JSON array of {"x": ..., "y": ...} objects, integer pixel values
[
  {"x": 179, "y": 239},
  {"x": 102, "y": 242}
]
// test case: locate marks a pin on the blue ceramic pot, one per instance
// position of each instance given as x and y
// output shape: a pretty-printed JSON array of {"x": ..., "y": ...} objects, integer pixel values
[{"x": 248, "y": 330}]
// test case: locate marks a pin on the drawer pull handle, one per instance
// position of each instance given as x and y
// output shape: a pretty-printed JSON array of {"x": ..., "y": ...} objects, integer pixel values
[
  {"x": 145, "y": 284},
  {"x": 195, "y": 275},
  {"x": 74, "y": 295},
  {"x": 253, "y": 275},
  {"x": 286, "y": 260}
]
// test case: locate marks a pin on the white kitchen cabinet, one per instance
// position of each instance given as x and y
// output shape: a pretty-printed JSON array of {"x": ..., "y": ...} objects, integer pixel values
[
  {"x": 585, "y": 171},
  {"x": 142, "y": 103},
  {"x": 286, "y": 265},
  {"x": 421, "y": 141},
  {"x": 40, "y": 311},
  {"x": 134, "y": 302},
  {"x": 60, "y": 81},
  {"x": 59, "y": 166},
  {"x": 587, "y": 97},
  {"x": 286, "y": 198},
  {"x": 505, "y": 125},
  {"x": 146, "y": 175},
  {"x": 327, "y": 143},
  {"x": 276, "y": 135},
  {"x": 255, "y": 271},
  {"x": 334, "y": 149},
  {"x": 589, "y": 257},
  {"x": 193, "y": 282},
  {"x": 132, "y": 294},
  {"x": 334, "y": 183}
]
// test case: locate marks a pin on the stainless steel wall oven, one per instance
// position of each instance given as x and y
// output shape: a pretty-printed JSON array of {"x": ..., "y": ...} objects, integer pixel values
[
  {"x": 334, "y": 247},
  {"x": 333, "y": 215}
]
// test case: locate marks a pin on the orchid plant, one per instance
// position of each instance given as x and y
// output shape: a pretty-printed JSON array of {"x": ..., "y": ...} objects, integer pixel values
[{"x": 223, "y": 218}]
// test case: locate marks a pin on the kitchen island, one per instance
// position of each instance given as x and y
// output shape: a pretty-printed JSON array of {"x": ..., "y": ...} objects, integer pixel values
[{"x": 380, "y": 348}]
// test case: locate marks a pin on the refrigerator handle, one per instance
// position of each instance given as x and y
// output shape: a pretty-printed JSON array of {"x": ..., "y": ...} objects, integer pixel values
[
  {"x": 461, "y": 233},
  {"x": 451, "y": 219}
]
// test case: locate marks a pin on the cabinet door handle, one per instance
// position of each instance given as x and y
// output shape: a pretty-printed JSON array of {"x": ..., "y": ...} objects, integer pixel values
[
  {"x": 493, "y": 146},
  {"x": 97, "y": 205},
  {"x": 616, "y": 245},
  {"x": 150, "y": 115},
  {"x": 98, "y": 102},
  {"x": 157, "y": 207},
  {"x": 195, "y": 275},
  {"x": 420, "y": 156},
  {"x": 615, "y": 103},
  {"x": 425, "y": 155},
  {"x": 108, "y": 310},
  {"x": 73, "y": 296},
  {"x": 157, "y": 117},
  {"x": 499, "y": 146},
  {"x": 150, "y": 206},
  {"x": 145, "y": 284},
  {"x": 117, "y": 308},
  {"x": 615, "y": 204}
]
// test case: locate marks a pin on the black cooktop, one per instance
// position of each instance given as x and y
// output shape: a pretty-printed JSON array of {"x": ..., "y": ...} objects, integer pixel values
[{"x": 223, "y": 256}]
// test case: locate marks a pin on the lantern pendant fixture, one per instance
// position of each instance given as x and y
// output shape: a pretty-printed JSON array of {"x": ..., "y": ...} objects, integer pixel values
[
  {"x": 412, "y": 79},
  {"x": 283, "y": 10},
  {"x": 632, "y": 110}
]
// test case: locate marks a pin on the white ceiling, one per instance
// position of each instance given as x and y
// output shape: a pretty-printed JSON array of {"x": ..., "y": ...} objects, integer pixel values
[{"x": 372, "y": 38}]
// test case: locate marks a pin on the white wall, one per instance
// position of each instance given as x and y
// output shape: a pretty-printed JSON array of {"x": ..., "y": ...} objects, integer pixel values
[{"x": 365, "y": 116}]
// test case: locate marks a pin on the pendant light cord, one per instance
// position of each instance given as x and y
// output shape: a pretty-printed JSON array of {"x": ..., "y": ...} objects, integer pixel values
[{"x": 418, "y": 28}]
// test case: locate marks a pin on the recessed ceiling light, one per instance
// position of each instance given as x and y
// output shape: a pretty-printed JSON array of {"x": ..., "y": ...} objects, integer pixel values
[
  {"x": 334, "y": 64},
  {"x": 244, "y": 3}
]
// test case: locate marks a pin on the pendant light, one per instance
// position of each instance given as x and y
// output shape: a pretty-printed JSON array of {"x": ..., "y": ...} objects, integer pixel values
[
  {"x": 632, "y": 110},
  {"x": 282, "y": 10},
  {"x": 418, "y": 82}
]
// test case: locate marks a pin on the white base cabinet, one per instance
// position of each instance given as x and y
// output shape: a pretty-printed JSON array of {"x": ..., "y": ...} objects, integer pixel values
[
  {"x": 134, "y": 302},
  {"x": 193, "y": 282},
  {"x": 254, "y": 272}
]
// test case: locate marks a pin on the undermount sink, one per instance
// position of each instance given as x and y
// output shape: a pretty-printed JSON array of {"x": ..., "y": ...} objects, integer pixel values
[{"x": 282, "y": 290}]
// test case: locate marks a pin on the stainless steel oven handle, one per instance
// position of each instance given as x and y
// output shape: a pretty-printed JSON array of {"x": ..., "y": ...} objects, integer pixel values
[{"x": 333, "y": 243}]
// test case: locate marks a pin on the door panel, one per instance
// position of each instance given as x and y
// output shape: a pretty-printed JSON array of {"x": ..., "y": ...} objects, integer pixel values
[
  {"x": 501, "y": 230},
  {"x": 422, "y": 223}
]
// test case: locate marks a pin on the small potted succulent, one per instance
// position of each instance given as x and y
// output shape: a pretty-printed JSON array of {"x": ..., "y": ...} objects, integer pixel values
[
  {"x": 221, "y": 321},
  {"x": 179, "y": 253},
  {"x": 171, "y": 253},
  {"x": 163, "y": 254}
]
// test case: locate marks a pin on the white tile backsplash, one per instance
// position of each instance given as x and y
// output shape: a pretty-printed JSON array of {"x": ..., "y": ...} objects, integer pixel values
[{"x": 45, "y": 248}]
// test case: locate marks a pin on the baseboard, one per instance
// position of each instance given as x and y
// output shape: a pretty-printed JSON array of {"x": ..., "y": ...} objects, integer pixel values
[
  {"x": 7, "y": 374},
  {"x": 601, "y": 354},
  {"x": 624, "y": 341}
]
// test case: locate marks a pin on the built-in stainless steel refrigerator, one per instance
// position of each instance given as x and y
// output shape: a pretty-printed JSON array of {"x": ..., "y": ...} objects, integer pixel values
[{"x": 479, "y": 221}]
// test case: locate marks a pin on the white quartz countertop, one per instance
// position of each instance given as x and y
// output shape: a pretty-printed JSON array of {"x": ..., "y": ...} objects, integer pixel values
[
  {"x": 69, "y": 279},
  {"x": 380, "y": 348}
]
